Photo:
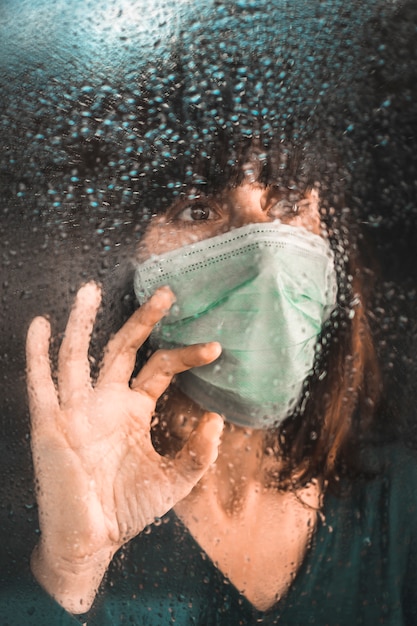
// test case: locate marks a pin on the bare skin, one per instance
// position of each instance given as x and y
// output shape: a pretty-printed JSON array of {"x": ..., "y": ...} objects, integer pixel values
[{"x": 92, "y": 448}]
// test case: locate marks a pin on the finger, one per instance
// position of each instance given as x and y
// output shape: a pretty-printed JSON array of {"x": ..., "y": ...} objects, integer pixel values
[
  {"x": 157, "y": 374},
  {"x": 120, "y": 357},
  {"x": 73, "y": 364},
  {"x": 43, "y": 400},
  {"x": 199, "y": 452}
]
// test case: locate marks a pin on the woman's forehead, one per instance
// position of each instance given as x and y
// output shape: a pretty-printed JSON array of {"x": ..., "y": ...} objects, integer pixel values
[{"x": 241, "y": 190}]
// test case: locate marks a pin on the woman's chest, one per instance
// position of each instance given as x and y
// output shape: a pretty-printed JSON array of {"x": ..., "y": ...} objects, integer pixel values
[
  {"x": 353, "y": 574},
  {"x": 260, "y": 549}
]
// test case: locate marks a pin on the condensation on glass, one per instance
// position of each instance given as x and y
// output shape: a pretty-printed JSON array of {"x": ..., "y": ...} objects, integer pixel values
[{"x": 113, "y": 111}]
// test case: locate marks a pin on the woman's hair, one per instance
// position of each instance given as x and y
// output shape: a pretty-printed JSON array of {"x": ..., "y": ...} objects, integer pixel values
[{"x": 323, "y": 437}]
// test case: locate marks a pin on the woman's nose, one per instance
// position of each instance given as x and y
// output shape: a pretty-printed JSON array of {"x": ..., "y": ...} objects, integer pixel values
[
  {"x": 249, "y": 207},
  {"x": 245, "y": 216}
]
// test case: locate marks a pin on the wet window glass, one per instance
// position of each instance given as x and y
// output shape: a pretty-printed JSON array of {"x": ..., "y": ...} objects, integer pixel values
[{"x": 208, "y": 323}]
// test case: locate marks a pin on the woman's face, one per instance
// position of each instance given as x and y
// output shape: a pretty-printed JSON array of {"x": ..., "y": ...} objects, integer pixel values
[
  {"x": 198, "y": 217},
  {"x": 194, "y": 218}
]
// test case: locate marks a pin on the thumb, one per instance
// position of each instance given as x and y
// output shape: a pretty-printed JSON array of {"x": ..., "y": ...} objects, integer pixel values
[{"x": 201, "y": 449}]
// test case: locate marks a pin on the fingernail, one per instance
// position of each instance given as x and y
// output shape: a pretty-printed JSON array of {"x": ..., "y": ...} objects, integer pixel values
[
  {"x": 213, "y": 350},
  {"x": 213, "y": 426},
  {"x": 167, "y": 295}
]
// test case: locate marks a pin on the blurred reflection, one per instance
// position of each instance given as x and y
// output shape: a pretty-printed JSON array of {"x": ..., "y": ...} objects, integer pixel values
[{"x": 185, "y": 124}]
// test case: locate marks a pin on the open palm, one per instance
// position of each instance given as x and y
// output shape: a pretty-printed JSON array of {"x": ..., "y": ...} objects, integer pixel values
[{"x": 99, "y": 479}]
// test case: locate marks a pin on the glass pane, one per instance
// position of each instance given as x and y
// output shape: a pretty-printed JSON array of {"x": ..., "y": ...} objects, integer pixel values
[{"x": 259, "y": 158}]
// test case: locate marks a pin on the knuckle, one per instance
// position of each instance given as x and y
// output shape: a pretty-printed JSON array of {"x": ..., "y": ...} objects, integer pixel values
[
  {"x": 163, "y": 359},
  {"x": 190, "y": 462},
  {"x": 195, "y": 461}
]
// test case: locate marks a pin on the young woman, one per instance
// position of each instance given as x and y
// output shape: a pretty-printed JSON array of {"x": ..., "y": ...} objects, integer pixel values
[{"x": 234, "y": 464}]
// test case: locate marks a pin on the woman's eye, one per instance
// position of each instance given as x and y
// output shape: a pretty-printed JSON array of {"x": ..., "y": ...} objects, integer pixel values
[{"x": 196, "y": 213}]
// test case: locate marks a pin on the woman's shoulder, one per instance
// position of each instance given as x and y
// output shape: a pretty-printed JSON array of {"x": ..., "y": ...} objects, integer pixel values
[
  {"x": 393, "y": 460},
  {"x": 389, "y": 479}
]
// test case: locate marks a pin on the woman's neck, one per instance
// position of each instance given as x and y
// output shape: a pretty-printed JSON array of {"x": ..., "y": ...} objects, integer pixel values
[
  {"x": 245, "y": 465},
  {"x": 242, "y": 464},
  {"x": 239, "y": 469}
]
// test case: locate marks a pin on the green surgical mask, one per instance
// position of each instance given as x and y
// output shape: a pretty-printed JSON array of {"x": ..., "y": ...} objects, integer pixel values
[{"x": 263, "y": 291}]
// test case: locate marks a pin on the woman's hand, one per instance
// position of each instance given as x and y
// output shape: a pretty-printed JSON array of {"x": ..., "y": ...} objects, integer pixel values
[{"x": 99, "y": 479}]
